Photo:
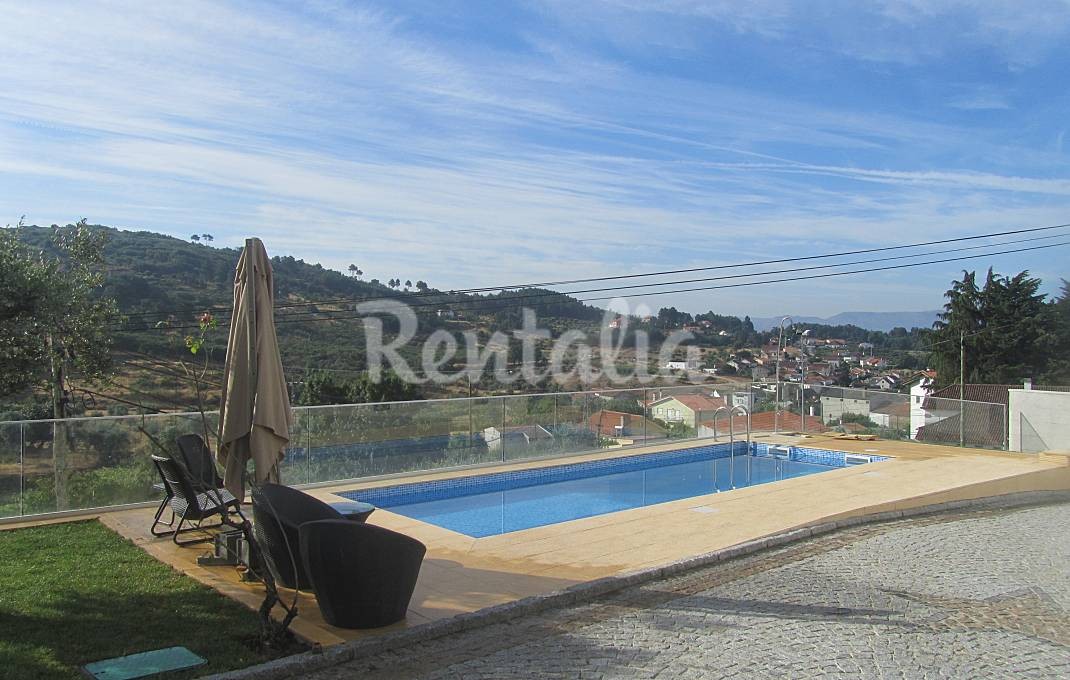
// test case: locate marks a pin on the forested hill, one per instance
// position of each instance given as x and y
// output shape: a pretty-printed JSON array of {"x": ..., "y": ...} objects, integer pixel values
[{"x": 156, "y": 277}]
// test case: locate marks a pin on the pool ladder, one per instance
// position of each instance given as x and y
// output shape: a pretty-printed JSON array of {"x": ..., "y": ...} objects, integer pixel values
[{"x": 732, "y": 440}]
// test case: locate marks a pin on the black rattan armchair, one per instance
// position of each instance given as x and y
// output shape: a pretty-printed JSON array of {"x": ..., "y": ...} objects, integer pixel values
[
  {"x": 197, "y": 458},
  {"x": 363, "y": 575},
  {"x": 199, "y": 461},
  {"x": 278, "y": 512},
  {"x": 192, "y": 501}
]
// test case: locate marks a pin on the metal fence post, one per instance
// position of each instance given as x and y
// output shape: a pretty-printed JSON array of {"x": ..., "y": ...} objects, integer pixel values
[
  {"x": 501, "y": 438},
  {"x": 22, "y": 468},
  {"x": 1005, "y": 413},
  {"x": 776, "y": 405},
  {"x": 646, "y": 406},
  {"x": 308, "y": 446}
]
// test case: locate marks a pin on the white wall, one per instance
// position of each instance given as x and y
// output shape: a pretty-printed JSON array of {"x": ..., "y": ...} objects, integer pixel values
[
  {"x": 918, "y": 416},
  {"x": 833, "y": 408},
  {"x": 1039, "y": 420}
]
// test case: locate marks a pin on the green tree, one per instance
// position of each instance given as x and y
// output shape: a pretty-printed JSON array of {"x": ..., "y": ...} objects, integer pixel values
[
  {"x": 624, "y": 405},
  {"x": 53, "y": 315},
  {"x": 1058, "y": 339},
  {"x": 841, "y": 375},
  {"x": 328, "y": 387},
  {"x": 54, "y": 322},
  {"x": 1001, "y": 326}
]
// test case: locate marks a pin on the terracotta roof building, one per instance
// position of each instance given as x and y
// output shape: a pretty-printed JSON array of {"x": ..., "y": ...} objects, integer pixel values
[{"x": 617, "y": 424}]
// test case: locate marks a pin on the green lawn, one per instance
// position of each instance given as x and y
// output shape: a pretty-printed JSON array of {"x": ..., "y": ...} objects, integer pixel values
[{"x": 75, "y": 593}]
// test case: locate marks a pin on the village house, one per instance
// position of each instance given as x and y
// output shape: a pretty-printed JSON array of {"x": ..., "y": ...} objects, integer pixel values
[
  {"x": 688, "y": 409},
  {"x": 627, "y": 428}
]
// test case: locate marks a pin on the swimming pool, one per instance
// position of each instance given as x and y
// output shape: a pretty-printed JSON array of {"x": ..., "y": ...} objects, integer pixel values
[{"x": 499, "y": 503}]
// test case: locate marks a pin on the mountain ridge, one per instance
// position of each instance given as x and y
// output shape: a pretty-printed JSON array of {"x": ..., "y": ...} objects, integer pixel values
[{"x": 873, "y": 321}]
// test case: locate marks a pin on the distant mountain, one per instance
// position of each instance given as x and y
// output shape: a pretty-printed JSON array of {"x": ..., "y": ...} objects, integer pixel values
[
  {"x": 155, "y": 277},
  {"x": 874, "y": 321}
]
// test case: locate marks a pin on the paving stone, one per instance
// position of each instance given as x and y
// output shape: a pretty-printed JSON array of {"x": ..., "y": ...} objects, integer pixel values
[{"x": 962, "y": 595}]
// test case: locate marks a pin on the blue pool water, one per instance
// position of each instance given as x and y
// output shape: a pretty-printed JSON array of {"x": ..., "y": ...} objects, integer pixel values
[{"x": 486, "y": 505}]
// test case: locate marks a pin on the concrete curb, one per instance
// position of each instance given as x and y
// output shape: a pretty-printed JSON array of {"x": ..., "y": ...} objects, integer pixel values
[{"x": 301, "y": 664}]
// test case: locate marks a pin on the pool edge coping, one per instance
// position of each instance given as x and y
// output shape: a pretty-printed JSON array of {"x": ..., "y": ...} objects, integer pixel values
[{"x": 320, "y": 658}]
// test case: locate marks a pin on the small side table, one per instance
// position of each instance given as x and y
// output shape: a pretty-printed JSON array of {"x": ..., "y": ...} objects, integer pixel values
[{"x": 354, "y": 510}]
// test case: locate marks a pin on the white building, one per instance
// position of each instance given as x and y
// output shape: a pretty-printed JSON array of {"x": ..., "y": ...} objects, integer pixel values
[
  {"x": 1038, "y": 420},
  {"x": 688, "y": 365},
  {"x": 918, "y": 392},
  {"x": 833, "y": 408},
  {"x": 744, "y": 399}
]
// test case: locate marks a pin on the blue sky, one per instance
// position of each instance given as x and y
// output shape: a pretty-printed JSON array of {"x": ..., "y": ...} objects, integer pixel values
[{"x": 472, "y": 143}]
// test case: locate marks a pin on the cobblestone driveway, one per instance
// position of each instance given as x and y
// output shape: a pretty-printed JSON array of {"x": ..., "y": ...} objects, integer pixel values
[{"x": 984, "y": 594}]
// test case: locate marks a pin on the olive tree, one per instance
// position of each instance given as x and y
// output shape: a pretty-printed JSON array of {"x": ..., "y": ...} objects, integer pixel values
[{"x": 54, "y": 322}]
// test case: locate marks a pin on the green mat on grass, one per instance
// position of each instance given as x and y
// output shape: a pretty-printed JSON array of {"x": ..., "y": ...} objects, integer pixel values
[{"x": 144, "y": 664}]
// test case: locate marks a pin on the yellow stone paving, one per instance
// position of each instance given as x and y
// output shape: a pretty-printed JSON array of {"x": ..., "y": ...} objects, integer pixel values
[{"x": 463, "y": 574}]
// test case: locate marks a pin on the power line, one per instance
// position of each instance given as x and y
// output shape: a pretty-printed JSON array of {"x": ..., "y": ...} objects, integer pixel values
[
  {"x": 312, "y": 315},
  {"x": 305, "y": 318},
  {"x": 631, "y": 276},
  {"x": 970, "y": 335},
  {"x": 831, "y": 274}
]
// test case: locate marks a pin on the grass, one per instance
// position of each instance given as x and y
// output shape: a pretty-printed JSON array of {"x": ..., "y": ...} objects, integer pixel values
[{"x": 77, "y": 592}]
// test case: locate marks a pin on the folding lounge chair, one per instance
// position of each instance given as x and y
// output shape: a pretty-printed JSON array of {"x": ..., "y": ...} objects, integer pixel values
[
  {"x": 198, "y": 461},
  {"x": 192, "y": 501}
]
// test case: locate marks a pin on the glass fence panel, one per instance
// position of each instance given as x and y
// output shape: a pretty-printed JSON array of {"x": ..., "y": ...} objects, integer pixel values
[
  {"x": 38, "y": 477},
  {"x": 688, "y": 411},
  {"x": 10, "y": 469},
  {"x": 574, "y": 409},
  {"x": 854, "y": 411},
  {"x": 377, "y": 439},
  {"x": 47, "y": 466},
  {"x": 293, "y": 469},
  {"x": 536, "y": 425},
  {"x": 473, "y": 422}
]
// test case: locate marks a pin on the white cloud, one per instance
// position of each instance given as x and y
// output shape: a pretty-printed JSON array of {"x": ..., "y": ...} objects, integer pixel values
[{"x": 342, "y": 134}]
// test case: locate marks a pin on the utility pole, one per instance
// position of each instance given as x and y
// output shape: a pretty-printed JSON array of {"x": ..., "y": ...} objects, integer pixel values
[
  {"x": 962, "y": 386},
  {"x": 779, "y": 351}
]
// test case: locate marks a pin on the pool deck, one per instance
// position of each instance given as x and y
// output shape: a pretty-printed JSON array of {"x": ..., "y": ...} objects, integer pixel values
[{"x": 461, "y": 574}]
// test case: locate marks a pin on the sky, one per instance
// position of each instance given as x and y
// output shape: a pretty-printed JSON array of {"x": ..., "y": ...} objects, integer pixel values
[{"x": 471, "y": 143}]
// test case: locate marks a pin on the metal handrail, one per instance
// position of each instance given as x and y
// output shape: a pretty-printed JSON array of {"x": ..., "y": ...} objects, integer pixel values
[
  {"x": 731, "y": 428},
  {"x": 715, "y": 416}
]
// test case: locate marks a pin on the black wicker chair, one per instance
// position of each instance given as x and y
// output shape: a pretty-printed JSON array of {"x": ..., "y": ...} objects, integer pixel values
[
  {"x": 363, "y": 575},
  {"x": 192, "y": 501},
  {"x": 197, "y": 458},
  {"x": 278, "y": 512}
]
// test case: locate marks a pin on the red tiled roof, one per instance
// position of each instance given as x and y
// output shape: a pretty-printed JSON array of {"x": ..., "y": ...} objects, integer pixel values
[{"x": 605, "y": 422}]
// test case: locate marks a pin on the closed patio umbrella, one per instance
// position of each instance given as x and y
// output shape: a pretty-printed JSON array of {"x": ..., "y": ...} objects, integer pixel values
[{"x": 254, "y": 417}]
